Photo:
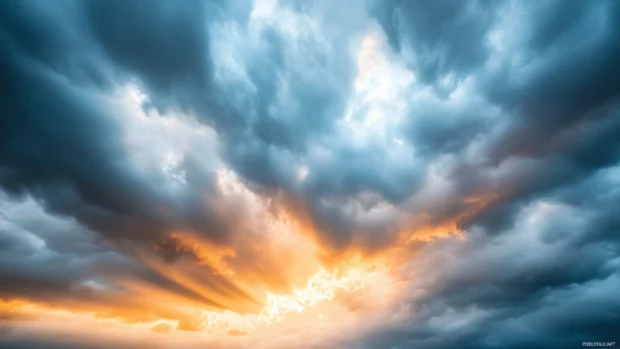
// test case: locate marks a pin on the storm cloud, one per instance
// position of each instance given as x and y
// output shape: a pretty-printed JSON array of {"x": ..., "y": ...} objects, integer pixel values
[{"x": 168, "y": 164}]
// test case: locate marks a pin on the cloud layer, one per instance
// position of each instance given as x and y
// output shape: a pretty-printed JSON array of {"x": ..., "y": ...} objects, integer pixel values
[{"x": 236, "y": 168}]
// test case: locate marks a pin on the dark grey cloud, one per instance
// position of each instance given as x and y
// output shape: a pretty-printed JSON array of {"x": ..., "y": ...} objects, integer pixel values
[
  {"x": 546, "y": 282},
  {"x": 295, "y": 94},
  {"x": 46, "y": 257},
  {"x": 562, "y": 85},
  {"x": 58, "y": 140},
  {"x": 298, "y": 86},
  {"x": 553, "y": 142},
  {"x": 511, "y": 102},
  {"x": 166, "y": 47},
  {"x": 53, "y": 342},
  {"x": 63, "y": 146},
  {"x": 540, "y": 111},
  {"x": 446, "y": 38}
]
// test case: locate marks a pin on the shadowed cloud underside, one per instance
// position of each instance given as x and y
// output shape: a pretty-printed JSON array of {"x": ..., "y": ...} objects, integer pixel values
[{"x": 309, "y": 174}]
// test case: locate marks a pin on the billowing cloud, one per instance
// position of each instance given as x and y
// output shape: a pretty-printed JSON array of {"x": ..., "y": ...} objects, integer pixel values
[{"x": 266, "y": 173}]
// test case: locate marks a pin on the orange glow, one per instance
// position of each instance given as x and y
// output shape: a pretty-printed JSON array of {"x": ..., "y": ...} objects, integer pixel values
[{"x": 274, "y": 274}]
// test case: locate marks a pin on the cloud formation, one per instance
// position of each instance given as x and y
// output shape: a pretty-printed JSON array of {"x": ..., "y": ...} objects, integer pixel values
[{"x": 354, "y": 174}]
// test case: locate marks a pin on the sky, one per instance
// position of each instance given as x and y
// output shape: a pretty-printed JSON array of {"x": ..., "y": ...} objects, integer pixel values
[{"x": 288, "y": 174}]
